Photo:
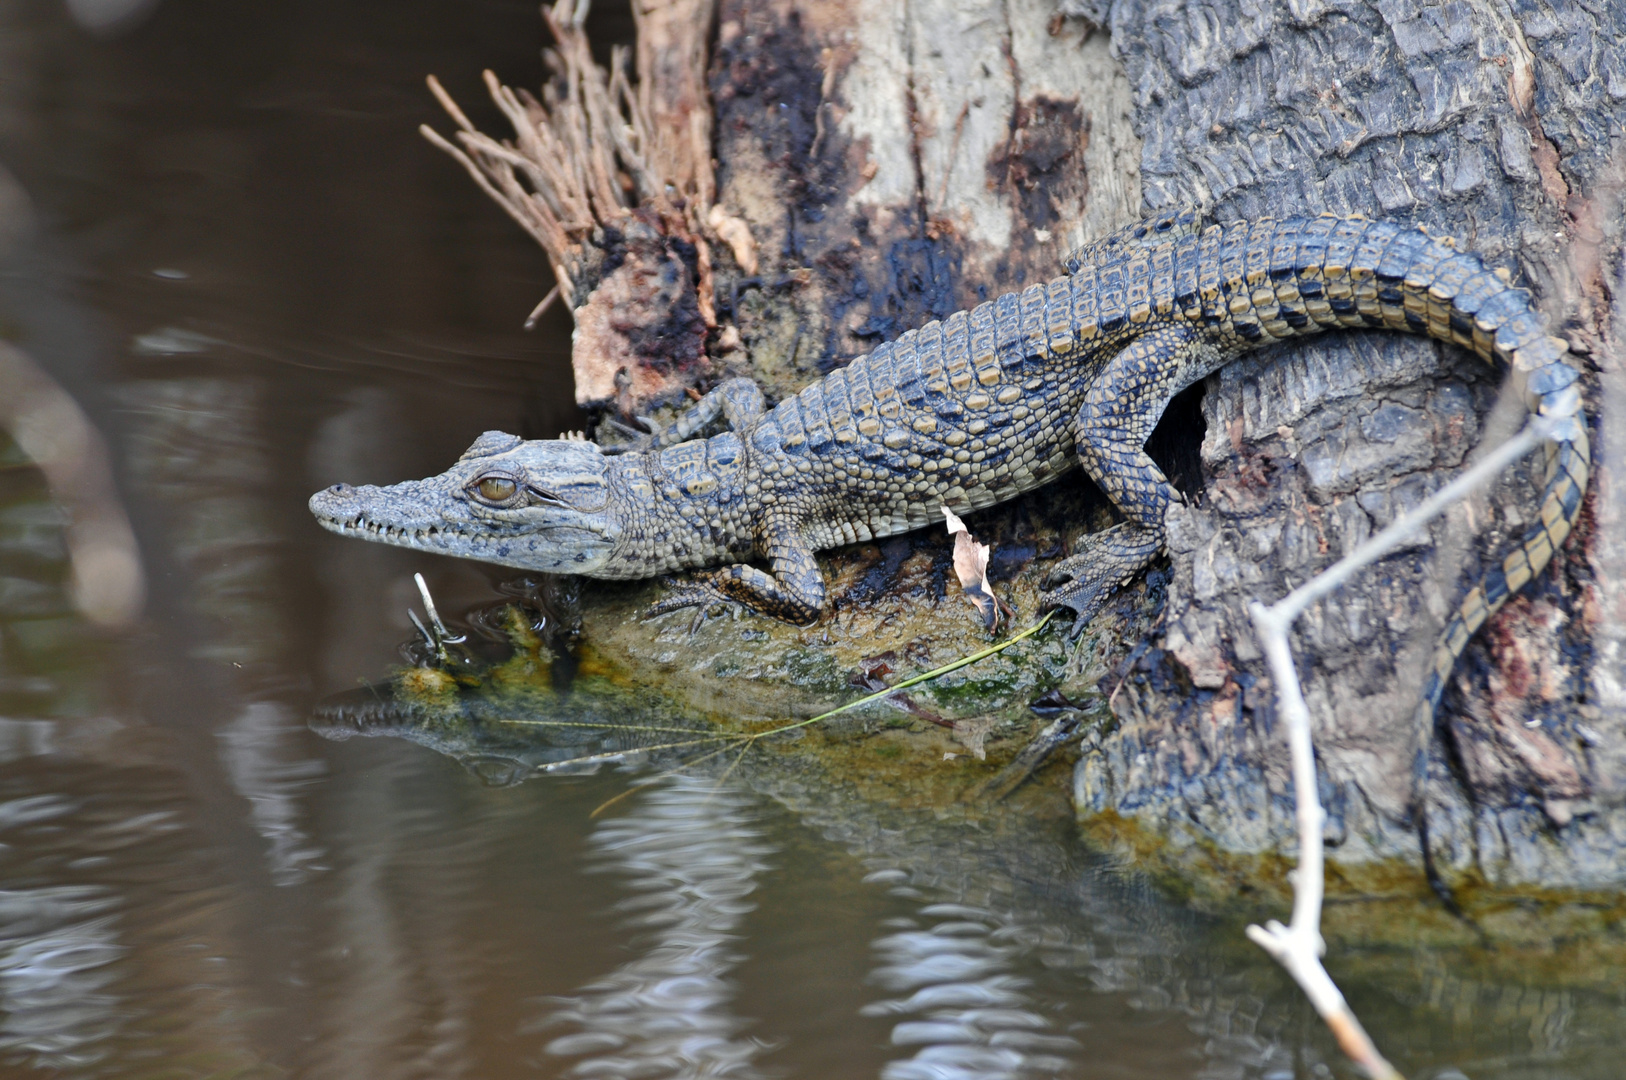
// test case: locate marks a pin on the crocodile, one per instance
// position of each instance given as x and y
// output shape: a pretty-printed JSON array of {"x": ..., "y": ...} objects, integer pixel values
[{"x": 982, "y": 406}]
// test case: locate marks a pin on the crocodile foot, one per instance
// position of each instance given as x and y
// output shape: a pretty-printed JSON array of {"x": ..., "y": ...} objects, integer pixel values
[
  {"x": 1084, "y": 581},
  {"x": 705, "y": 598},
  {"x": 638, "y": 440}
]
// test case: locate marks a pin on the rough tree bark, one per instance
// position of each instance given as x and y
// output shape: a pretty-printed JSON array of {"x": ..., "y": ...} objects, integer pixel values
[
  {"x": 878, "y": 164},
  {"x": 917, "y": 158},
  {"x": 1499, "y": 124}
]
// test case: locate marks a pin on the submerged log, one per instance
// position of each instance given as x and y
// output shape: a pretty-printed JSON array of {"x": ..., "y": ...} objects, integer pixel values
[{"x": 876, "y": 165}]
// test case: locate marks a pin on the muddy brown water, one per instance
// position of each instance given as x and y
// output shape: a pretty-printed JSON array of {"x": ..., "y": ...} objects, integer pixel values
[{"x": 236, "y": 251}]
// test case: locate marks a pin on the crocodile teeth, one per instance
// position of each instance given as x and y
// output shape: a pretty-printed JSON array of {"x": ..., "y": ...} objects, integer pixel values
[{"x": 435, "y": 535}]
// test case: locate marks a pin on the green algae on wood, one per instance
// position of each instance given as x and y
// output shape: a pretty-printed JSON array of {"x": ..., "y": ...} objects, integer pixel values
[
  {"x": 510, "y": 710},
  {"x": 1556, "y": 937}
]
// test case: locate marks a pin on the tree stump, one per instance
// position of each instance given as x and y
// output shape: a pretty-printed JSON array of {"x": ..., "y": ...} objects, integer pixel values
[
  {"x": 877, "y": 165},
  {"x": 1499, "y": 126}
]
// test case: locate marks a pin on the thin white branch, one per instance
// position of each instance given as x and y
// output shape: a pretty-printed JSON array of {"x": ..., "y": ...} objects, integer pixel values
[
  {"x": 1299, "y": 946},
  {"x": 1292, "y": 605}
]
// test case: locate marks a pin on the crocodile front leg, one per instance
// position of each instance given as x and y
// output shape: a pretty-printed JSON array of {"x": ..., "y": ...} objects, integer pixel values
[
  {"x": 1121, "y": 407},
  {"x": 737, "y": 401},
  {"x": 793, "y": 592}
]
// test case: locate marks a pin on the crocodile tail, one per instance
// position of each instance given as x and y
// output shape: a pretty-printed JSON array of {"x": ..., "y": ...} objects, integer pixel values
[
  {"x": 1377, "y": 273},
  {"x": 1452, "y": 296},
  {"x": 1568, "y": 464}
]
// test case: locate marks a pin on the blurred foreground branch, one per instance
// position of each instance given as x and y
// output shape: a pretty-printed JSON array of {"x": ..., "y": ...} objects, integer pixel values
[{"x": 51, "y": 429}]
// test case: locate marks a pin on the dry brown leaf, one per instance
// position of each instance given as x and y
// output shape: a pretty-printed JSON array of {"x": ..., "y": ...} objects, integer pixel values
[{"x": 971, "y": 567}]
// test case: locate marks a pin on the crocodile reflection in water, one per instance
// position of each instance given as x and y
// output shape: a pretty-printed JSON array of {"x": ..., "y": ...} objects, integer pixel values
[
  {"x": 486, "y": 738},
  {"x": 1006, "y": 945},
  {"x": 959, "y": 971},
  {"x": 507, "y": 721},
  {"x": 499, "y": 753}
]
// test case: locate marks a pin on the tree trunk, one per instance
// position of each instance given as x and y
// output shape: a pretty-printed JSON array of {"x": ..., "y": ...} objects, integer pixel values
[
  {"x": 880, "y": 164},
  {"x": 1480, "y": 121},
  {"x": 916, "y": 158}
]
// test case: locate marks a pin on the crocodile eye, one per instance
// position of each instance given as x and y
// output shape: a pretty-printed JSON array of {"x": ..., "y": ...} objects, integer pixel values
[{"x": 496, "y": 488}]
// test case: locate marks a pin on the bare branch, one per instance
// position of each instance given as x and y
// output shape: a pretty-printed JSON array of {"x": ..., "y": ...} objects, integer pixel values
[
  {"x": 1299, "y": 947},
  {"x": 537, "y": 312},
  {"x": 448, "y": 104}
]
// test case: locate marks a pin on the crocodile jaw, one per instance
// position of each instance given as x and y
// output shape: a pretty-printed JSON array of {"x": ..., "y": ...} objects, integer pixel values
[
  {"x": 560, "y": 520},
  {"x": 392, "y": 516}
]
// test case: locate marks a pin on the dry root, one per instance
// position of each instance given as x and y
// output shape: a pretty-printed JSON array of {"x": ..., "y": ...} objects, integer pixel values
[{"x": 607, "y": 164}]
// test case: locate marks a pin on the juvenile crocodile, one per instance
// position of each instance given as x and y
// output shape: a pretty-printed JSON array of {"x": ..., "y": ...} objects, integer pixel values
[{"x": 983, "y": 406}]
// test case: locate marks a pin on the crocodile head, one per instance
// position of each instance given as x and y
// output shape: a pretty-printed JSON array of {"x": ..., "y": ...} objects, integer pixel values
[{"x": 537, "y": 505}]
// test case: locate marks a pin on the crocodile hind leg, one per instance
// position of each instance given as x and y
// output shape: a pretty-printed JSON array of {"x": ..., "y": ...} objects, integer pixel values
[
  {"x": 737, "y": 401},
  {"x": 1121, "y": 407},
  {"x": 793, "y": 592}
]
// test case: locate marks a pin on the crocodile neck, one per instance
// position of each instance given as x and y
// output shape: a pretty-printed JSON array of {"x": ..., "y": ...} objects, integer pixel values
[{"x": 671, "y": 516}]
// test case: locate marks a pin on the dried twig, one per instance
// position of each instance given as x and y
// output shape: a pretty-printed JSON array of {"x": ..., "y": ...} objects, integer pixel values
[
  {"x": 1299, "y": 947},
  {"x": 590, "y": 151},
  {"x": 541, "y": 309}
]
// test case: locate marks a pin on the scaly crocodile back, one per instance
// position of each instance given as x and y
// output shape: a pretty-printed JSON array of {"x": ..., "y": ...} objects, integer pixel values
[
  {"x": 1381, "y": 275},
  {"x": 979, "y": 407}
]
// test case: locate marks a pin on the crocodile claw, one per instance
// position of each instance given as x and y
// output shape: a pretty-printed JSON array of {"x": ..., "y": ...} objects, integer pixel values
[
  {"x": 1082, "y": 594},
  {"x": 639, "y": 440},
  {"x": 1084, "y": 581},
  {"x": 703, "y": 596}
]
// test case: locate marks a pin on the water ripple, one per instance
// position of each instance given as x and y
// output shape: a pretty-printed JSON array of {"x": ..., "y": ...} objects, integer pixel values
[
  {"x": 965, "y": 1012},
  {"x": 57, "y": 945},
  {"x": 693, "y": 859}
]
